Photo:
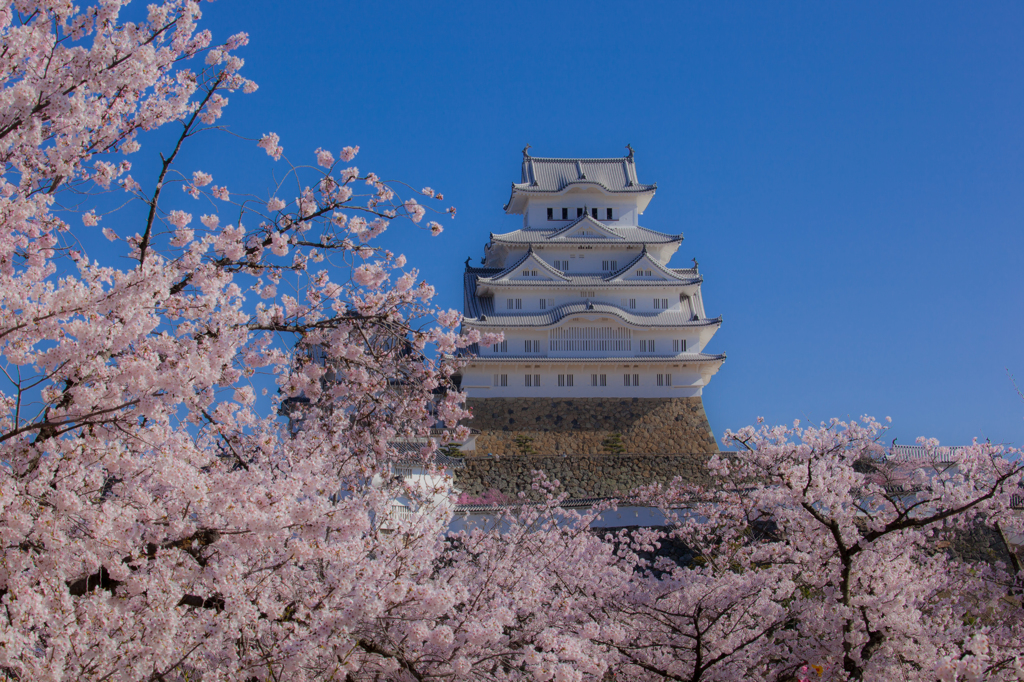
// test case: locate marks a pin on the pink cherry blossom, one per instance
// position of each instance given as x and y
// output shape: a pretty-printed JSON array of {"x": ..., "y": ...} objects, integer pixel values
[
  {"x": 269, "y": 142},
  {"x": 325, "y": 158}
]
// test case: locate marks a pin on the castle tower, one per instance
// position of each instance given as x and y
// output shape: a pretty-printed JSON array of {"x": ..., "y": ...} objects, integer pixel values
[{"x": 603, "y": 349}]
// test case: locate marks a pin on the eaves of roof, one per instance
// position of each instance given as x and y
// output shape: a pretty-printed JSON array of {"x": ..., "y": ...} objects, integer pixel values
[
  {"x": 592, "y": 280},
  {"x": 548, "y": 318},
  {"x": 629, "y": 236},
  {"x": 682, "y": 358}
]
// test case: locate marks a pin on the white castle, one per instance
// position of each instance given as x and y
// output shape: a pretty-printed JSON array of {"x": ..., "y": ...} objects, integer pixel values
[{"x": 584, "y": 296}]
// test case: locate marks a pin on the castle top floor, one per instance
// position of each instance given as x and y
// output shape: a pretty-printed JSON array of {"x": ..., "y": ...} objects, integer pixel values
[{"x": 555, "y": 192}]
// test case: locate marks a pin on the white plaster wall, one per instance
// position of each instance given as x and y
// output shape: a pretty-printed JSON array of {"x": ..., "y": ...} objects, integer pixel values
[
  {"x": 662, "y": 342},
  {"x": 618, "y": 296},
  {"x": 478, "y": 380},
  {"x": 624, "y": 209}
]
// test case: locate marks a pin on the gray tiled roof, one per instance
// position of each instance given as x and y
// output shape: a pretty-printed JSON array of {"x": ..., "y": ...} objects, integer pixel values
[
  {"x": 628, "y": 359},
  {"x": 545, "y": 318},
  {"x": 547, "y": 267},
  {"x": 590, "y": 279},
  {"x": 682, "y": 276},
  {"x": 553, "y": 175},
  {"x": 656, "y": 264},
  {"x": 629, "y": 236}
]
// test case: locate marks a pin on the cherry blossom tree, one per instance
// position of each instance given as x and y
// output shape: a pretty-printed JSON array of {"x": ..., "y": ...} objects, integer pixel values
[
  {"x": 159, "y": 520},
  {"x": 819, "y": 551}
]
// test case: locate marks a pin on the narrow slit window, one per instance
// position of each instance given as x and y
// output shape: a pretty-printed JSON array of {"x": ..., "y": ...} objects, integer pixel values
[
  {"x": 593, "y": 213},
  {"x": 501, "y": 380},
  {"x": 579, "y": 212},
  {"x": 551, "y": 214},
  {"x": 565, "y": 214},
  {"x": 608, "y": 214}
]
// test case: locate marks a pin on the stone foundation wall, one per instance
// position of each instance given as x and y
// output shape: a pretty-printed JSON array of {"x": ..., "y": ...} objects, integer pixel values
[
  {"x": 646, "y": 426},
  {"x": 580, "y": 475}
]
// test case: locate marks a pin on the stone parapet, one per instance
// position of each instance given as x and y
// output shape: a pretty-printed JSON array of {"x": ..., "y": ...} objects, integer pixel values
[{"x": 583, "y": 426}]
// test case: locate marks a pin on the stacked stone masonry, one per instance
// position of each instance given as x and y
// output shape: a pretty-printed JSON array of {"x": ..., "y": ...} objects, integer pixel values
[
  {"x": 645, "y": 426},
  {"x": 595, "y": 447}
]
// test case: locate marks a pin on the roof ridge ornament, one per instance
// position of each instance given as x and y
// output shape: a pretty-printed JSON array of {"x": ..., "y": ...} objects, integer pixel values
[
  {"x": 526, "y": 151},
  {"x": 630, "y": 155}
]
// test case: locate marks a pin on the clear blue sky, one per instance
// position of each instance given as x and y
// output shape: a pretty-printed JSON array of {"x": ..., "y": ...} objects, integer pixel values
[{"x": 848, "y": 175}]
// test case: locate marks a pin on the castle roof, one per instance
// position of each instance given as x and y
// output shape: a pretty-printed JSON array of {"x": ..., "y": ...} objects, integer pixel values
[
  {"x": 567, "y": 235},
  {"x": 480, "y": 313},
  {"x": 547, "y": 175}
]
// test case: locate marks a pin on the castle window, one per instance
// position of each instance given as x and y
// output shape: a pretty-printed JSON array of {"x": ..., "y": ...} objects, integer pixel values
[
  {"x": 610, "y": 265},
  {"x": 565, "y": 214},
  {"x": 679, "y": 345},
  {"x": 533, "y": 345},
  {"x": 526, "y": 273},
  {"x": 543, "y": 304},
  {"x": 533, "y": 380},
  {"x": 501, "y": 347},
  {"x": 664, "y": 379},
  {"x": 565, "y": 380},
  {"x": 562, "y": 265},
  {"x": 661, "y": 304},
  {"x": 515, "y": 304},
  {"x": 590, "y": 339},
  {"x": 501, "y": 380},
  {"x": 579, "y": 212},
  {"x": 551, "y": 214},
  {"x": 609, "y": 213},
  {"x": 630, "y": 379},
  {"x": 587, "y": 294},
  {"x": 598, "y": 379},
  {"x": 632, "y": 303},
  {"x": 593, "y": 213},
  {"x": 646, "y": 345}
]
